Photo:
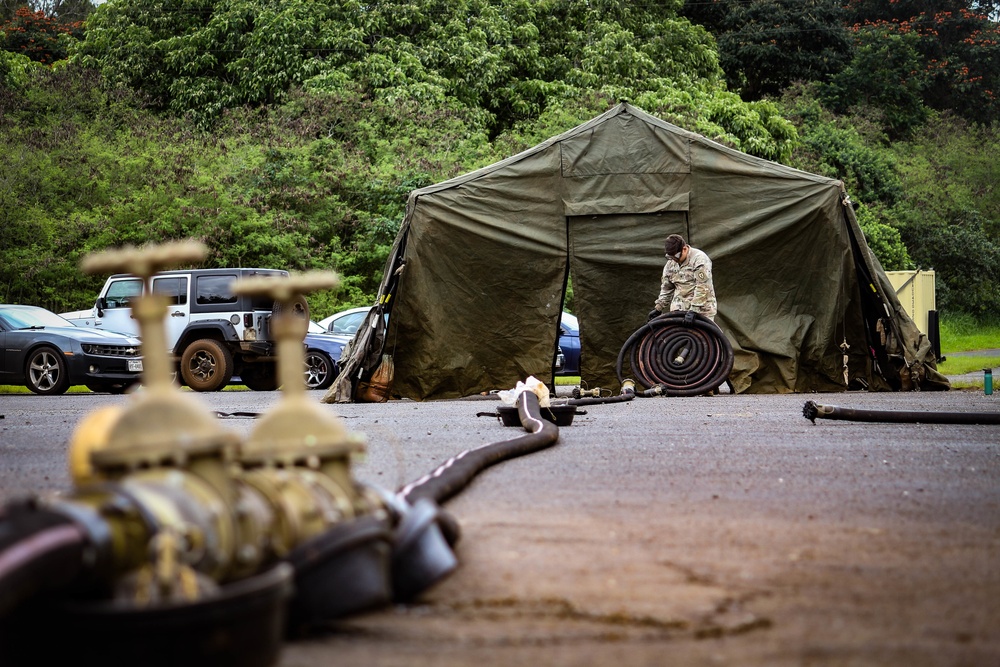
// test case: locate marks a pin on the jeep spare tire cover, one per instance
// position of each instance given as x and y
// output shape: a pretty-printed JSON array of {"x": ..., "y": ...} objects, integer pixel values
[{"x": 299, "y": 307}]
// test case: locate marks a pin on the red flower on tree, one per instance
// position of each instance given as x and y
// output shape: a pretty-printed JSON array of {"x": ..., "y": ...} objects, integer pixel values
[{"x": 36, "y": 35}]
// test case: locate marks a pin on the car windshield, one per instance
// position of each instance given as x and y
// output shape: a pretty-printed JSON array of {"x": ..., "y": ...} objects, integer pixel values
[
  {"x": 348, "y": 324},
  {"x": 316, "y": 328},
  {"x": 25, "y": 317}
]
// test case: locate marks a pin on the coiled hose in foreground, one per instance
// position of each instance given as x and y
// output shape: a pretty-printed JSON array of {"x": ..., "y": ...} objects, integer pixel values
[
  {"x": 678, "y": 354},
  {"x": 813, "y": 411},
  {"x": 38, "y": 550}
]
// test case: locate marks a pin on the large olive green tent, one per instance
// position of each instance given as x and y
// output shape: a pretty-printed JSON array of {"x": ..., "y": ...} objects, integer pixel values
[{"x": 475, "y": 283}]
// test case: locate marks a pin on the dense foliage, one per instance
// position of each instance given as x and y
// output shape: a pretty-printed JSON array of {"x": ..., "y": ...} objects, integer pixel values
[
  {"x": 766, "y": 45},
  {"x": 290, "y": 133},
  {"x": 315, "y": 183},
  {"x": 912, "y": 57},
  {"x": 506, "y": 60}
]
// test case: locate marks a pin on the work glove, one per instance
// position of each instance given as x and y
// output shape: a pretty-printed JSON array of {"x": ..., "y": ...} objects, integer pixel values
[{"x": 653, "y": 314}]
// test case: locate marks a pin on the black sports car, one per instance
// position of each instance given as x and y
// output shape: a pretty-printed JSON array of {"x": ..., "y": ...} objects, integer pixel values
[{"x": 46, "y": 353}]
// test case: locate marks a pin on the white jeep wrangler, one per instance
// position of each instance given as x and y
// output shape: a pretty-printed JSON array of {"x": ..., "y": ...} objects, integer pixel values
[{"x": 212, "y": 333}]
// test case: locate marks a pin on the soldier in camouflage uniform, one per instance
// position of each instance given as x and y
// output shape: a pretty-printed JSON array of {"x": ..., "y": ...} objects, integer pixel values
[{"x": 687, "y": 280}]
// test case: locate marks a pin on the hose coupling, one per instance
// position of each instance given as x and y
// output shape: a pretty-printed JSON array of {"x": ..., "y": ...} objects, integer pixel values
[{"x": 679, "y": 359}]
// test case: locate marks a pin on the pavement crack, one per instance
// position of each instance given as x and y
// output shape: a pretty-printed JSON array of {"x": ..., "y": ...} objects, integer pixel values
[
  {"x": 691, "y": 576},
  {"x": 562, "y": 609},
  {"x": 730, "y": 618}
]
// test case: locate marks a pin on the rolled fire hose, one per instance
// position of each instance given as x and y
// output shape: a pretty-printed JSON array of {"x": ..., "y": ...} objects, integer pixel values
[
  {"x": 678, "y": 354},
  {"x": 814, "y": 411}
]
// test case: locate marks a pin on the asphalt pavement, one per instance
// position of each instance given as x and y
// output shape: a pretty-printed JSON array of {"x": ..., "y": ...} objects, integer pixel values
[{"x": 722, "y": 530}]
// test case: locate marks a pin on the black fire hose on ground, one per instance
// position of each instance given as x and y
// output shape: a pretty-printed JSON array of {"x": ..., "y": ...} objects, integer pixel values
[
  {"x": 456, "y": 473},
  {"x": 814, "y": 411},
  {"x": 678, "y": 354}
]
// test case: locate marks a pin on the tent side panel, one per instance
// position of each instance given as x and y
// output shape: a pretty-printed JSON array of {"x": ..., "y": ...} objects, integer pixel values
[
  {"x": 479, "y": 304},
  {"x": 782, "y": 269},
  {"x": 909, "y": 350}
]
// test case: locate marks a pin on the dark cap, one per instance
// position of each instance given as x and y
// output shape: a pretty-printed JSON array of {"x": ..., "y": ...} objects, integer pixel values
[{"x": 673, "y": 245}]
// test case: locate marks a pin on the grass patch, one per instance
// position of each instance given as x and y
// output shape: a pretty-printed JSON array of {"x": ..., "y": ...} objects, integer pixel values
[
  {"x": 967, "y": 385},
  {"x": 963, "y": 333},
  {"x": 80, "y": 389},
  {"x": 21, "y": 389},
  {"x": 963, "y": 365}
]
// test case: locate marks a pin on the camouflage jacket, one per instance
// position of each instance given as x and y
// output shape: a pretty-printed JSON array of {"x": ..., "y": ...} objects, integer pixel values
[{"x": 688, "y": 286}]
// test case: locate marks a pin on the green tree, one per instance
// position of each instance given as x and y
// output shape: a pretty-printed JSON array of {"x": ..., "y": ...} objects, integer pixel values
[
  {"x": 765, "y": 45},
  {"x": 15, "y": 71},
  {"x": 966, "y": 260},
  {"x": 319, "y": 182},
  {"x": 850, "y": 148},
  {"x": 950, "y": 215},
  {"x": 884, "y": 238},
  {"x": 885, "y": 74},
  {"x": 951, "y": 166},
  {"x": 504, "y": 61}
]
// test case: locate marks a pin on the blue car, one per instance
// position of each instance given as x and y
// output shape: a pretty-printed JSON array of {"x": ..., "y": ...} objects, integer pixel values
[
  {"x": 323, "y": 350},
  {"x": 569, "y": 345},
  {"x": 48, "y": 354}
]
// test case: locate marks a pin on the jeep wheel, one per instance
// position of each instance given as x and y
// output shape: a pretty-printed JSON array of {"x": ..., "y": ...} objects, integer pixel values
[
  {"x": 206, "y": 365},
  {"x": 260, "y": 377}
]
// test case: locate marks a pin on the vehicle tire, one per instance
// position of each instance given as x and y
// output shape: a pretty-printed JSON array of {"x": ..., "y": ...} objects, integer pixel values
[
  {"x": 300, "y": 307},
  {"x": 260, "y": 377},
  {"x": 45, "y": 372},
  {"x": 206, "y": 365},
  {"x": 320, "y": 370}
]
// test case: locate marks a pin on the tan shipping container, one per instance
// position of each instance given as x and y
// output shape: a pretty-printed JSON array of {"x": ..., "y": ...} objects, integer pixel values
[{"x": 915, "y": 290}]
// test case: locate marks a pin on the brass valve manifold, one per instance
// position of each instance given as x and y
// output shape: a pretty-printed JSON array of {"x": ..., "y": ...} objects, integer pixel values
[{"x": 184, "y": 504}]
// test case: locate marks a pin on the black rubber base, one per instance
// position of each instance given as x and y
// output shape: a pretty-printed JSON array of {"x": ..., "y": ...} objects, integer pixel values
[{"x": 241, "y": 627}]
